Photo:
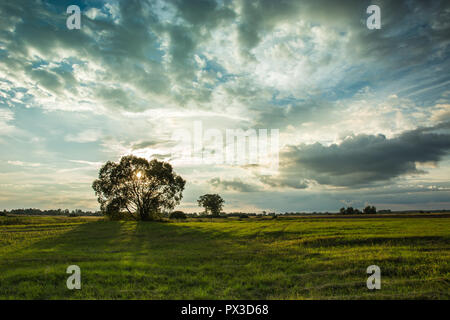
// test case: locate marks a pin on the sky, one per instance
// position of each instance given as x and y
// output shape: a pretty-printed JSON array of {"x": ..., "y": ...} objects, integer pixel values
[{"x": 362, "y": 115}]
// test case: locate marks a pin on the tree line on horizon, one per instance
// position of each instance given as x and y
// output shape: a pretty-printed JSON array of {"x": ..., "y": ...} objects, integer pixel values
[
  {"x": 143, "y": 190},
  {"x": 138, "y": 189},
  {"x": 351, "y": 210},
  {"x": 51, "y": 212}
]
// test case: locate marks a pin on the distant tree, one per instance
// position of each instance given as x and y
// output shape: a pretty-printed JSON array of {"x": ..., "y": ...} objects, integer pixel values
[
  {"x": 349, "y": 210},
  {"x": 211, "y": 202},
  {"x": 178, "y": 215},
  {"x": 143, "y": 188},
  {"x": 370, "y": 210}
]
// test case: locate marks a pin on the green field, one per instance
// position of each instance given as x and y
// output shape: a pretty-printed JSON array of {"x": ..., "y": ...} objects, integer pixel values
[{"x": 285, "y": 258}]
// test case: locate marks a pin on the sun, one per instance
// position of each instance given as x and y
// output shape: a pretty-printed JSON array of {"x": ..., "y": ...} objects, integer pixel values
[{"x": 139, "y": 174}]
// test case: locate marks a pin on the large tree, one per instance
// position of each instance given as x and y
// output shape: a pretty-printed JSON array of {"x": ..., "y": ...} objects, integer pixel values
[
  {"x": 212, "y": 203},
  {"x": 143, "y": 188}
]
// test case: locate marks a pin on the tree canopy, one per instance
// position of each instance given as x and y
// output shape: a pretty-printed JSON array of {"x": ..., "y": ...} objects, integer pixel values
[
  {"x": 370, "y": 210},
  {"x": 211, "y": 202},
  {"x": 143, "y": 188},
  {"x": 178, "y": 215},
  {"x": 351, "y": 210}
]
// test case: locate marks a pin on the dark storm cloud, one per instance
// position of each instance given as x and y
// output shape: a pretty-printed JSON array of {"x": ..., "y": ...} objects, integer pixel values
[{"x": 364, "y": 159}]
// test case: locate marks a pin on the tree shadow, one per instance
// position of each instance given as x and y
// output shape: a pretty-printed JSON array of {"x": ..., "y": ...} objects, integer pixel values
[
  {"x": 154, "y": 260},
  {"x": 39, "y": 270},
  {"x": 372, "y": 241},
  {"x": 182, "y": 261}
]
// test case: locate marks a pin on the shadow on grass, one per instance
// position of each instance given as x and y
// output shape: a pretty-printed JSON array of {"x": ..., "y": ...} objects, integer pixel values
[
  {"x": 81, "y": 241},
  {"x": 163, "y": 243},
  {"x": 391, "y": 241},
  {"x": 151, "y": 260}
]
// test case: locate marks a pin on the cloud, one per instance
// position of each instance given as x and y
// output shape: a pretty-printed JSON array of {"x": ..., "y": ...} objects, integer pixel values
[
  {"x": 147, "y": 144},
  {"x": 441, "y": 113},
  {"x": 92, "y": 164},
  {"x": 293, "y": 181},
  {"x": 24, "y": 164},
  {"x": 6, "y": 116},
  {"x": 85, "y": 136},
  {"x": 363, "y": 159},
  {"x": 232, "y": 185}
]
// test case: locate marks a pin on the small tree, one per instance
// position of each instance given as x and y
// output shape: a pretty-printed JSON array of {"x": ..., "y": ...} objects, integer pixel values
[
  {"x": 143, "y": 188},
  {"x": 370, "y": 210},
  {"x": 211, "y": 202},
  {"x": 349, "y": 210},
  {"x": 178, "y": 215}
]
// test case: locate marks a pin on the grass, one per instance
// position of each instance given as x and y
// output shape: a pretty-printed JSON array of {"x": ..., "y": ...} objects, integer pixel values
[{"x": 285, "y": 258}]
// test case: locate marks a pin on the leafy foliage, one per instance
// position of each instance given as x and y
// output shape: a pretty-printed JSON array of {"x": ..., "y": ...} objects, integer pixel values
[
  {"x": 370, "y": 210},
  {"x": 351, "y": 210},
  {"x": 179, "y": 215},
  {"x": 142, "y": 188},
  {"x": 211, "y": 202}
]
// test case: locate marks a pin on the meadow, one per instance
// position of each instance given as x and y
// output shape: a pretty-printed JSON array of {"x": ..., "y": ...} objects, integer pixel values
[{"x": 284, "y": 258}]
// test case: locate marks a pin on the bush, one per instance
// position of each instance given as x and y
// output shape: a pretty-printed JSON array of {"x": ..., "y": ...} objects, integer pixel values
[
  {"x": 349, "y": 210},
  {"x": 243, "y": 216},
  {"x": 179, "y": 215}
]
